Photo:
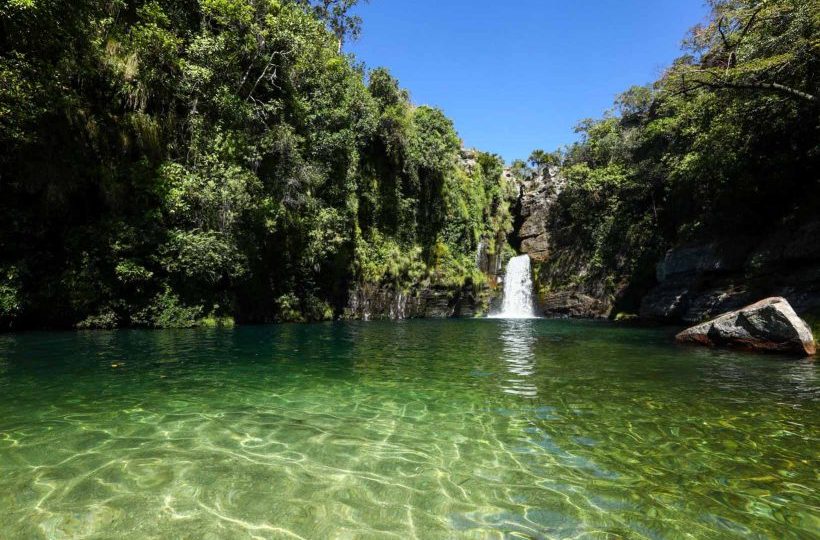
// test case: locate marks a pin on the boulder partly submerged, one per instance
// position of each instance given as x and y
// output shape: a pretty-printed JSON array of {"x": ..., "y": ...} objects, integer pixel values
[{"x": 769, "y": 325}]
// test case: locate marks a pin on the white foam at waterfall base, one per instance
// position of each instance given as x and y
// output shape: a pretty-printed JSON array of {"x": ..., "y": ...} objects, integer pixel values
[{"x": 518, "y": 303}]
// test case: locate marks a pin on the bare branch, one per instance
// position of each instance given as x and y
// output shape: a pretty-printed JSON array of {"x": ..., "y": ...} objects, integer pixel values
[
  {"x": 250, "y": 67},
  {"x": 771, "y": 86},
  {"x": 265, "y": 71},
  {"x": 723, "y": 37},
  {"x": 748, "y": 25},
  {"x": 720, "y": 82}
]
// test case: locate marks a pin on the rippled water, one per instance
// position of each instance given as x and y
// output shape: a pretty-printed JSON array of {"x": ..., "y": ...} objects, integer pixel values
[{"x": 476, "y": 429}]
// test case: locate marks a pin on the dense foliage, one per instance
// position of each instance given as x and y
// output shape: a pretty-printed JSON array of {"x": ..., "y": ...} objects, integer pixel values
[
  {"x": 724, "y": 144},
  {"x": 169, "y": 162}
]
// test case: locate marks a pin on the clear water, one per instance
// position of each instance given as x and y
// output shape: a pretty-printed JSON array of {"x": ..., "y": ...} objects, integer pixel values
[{"x": 457, "y": 429}]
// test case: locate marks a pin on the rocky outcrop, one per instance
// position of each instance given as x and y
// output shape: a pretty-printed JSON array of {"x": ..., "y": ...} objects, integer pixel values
[
  {"x": 690, "y": 285},
  {"x": 538, "y": 247},
  {"x": 768, "y": 325},
  {"x": 375, "y": 302},
  {"x": 573, "y": 304},
  {"x": 700, "y": 281},
  {"x": 693, "y": 282},
  {"x": 555, "y": 296},
  {"x": 538, "y": 194},
  {"x": 489, "y": 256}
]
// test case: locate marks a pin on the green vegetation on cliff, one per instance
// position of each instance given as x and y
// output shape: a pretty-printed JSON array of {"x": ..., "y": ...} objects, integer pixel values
[
  {"x": 169, "y": 162},
  {"x": 725, "y": 144}
]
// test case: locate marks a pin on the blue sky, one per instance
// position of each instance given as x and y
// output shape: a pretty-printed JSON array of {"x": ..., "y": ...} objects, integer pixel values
[{"x": 517, "y": 75}]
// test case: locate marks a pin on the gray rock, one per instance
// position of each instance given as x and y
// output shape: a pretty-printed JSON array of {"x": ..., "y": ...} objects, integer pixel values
[
  {"x": 537, "y": 248},
  {"x": 375, "y": 302},
  {"x": 534, "y": 226},
  {"x": 538, "y": 194},
  {"x": 666, "y": 302},
  {"x": 727, "y": 256},
  {"x": 573, "y": 304},
  {"x": 768, "y": 325},
  {"x": 712, "y": 302}
]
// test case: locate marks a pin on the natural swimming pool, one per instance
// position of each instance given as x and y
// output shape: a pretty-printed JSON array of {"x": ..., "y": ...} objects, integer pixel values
[{"x": 427, "y": 429}]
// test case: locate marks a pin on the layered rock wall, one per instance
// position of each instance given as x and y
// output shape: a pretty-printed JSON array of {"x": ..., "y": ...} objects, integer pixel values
[
  {"x": 538, "y": 194},
  {"x": 693, "y": 282},
  {"x": 700, "y": 281},
  {"x": 377, "y": 302}
]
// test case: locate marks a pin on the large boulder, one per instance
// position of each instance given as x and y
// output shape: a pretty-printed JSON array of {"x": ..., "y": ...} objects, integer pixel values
[{"x": 768, "y": 325}]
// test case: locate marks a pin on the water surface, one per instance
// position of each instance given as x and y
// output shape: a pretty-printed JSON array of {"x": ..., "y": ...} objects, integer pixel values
[{"x": 423, "y": 429}]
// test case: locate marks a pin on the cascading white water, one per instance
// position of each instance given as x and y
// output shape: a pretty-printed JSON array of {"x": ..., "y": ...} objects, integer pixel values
[{"x": 517, "y": 290}]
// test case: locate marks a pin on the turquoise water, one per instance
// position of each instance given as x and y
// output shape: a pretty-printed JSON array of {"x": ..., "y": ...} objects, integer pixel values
[{"x": 423, "y": 429}]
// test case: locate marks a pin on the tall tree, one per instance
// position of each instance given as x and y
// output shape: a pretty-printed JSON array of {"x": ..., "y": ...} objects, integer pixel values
[
  {"x": 336, "y": 14},
  {"x": 755, "y": 45}
]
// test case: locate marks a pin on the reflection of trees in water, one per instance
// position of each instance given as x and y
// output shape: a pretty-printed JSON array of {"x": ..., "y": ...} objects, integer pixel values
[
  {"x": 421, "y": 350},
  {"x": 517, "y": 345}
]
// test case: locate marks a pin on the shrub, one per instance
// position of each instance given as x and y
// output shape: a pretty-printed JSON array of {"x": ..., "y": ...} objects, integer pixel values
[
  {"x": 10, "y": 297},
  {"x": 167, "y": 311},
  {"x": 106, "y": 320}
]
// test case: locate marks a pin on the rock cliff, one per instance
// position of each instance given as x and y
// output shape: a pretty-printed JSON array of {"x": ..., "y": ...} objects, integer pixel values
[
  {"x": 553, "y": 264},
  {"x": 693, "y": 282},
  {"x": 700, "y": 281},
  {"x": 537, "y": 195},
  {"x": 374, "y": 302}
]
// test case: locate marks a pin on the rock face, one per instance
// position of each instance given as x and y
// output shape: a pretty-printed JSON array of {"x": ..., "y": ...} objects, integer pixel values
[
  {"x": 700, "y": 281},
  {"x": 768, "y": 325},
  {"x": 372, "y": 302},
  {"x": 491, "y": 262},
  {"x": 533, "y": 236},
  {"x": 537, "y": 196},
  {"x": 693, "y": 282},
  {"x": 574, "y": 305}
]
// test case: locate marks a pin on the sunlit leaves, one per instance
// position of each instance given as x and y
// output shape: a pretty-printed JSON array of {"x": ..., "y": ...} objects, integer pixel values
[{"x": 173, "y": 160}]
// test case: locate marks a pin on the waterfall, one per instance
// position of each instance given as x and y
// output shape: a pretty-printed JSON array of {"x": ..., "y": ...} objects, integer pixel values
[
  {"x": 518, "y": 290},
  {"x": 480, "y": 253}
]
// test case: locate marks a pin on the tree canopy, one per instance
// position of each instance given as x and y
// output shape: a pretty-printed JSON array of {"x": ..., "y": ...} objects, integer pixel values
[
  {"x": 167, "y": 161},
  {"x": 724, "y": 143}
]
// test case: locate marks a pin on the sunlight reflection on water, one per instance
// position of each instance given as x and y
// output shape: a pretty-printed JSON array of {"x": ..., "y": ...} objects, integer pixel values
[
  {"x": 518, "y": 341},
  {"x": 428, "y": 429}
]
